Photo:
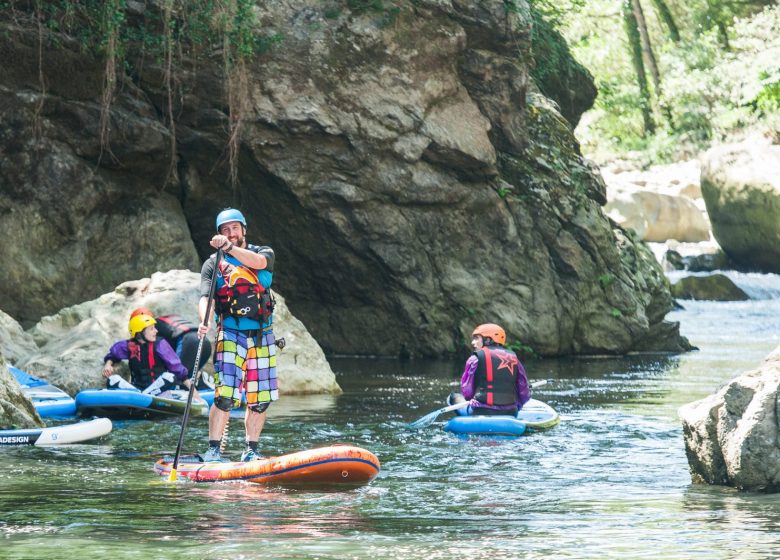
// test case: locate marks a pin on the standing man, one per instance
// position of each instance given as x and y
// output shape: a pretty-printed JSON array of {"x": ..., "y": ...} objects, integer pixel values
[
  {"x": 493, "y": 380},
  {"x": 245, "y": 350}
]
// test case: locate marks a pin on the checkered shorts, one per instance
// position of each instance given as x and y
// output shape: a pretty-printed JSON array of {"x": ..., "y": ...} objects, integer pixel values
[{"x": 240, "y": 360}]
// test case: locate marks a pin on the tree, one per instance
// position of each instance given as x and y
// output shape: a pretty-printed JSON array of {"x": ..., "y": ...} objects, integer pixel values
[
  {"x": 635, "y": 51},
  {"x": 666, "y": 16}
]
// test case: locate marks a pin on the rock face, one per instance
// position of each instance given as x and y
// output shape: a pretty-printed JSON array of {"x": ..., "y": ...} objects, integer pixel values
[
  {"x": 16, "y": 344},
  {"x": 16, "y": 410},
  {"x": 410, "y": 184},
  {"x": 715, "y": 287},
  {"x": 72, "y": 343},
  {"x": 741, "y": 187},
  {"x": 731, "y": 437}
]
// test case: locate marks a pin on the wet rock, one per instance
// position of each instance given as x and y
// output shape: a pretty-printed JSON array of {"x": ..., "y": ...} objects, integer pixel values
[
  {"x": 731, "y": 436},
  {"x": 707, "y": 262},
  {"x": 16, "y": 410},
  {"x": 716, "y": 287}
]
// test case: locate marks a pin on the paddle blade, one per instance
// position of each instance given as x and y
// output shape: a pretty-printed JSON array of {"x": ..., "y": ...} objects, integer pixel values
[
  {"x": 172, "y": 475},
  {"x": 428, "y": 419}
]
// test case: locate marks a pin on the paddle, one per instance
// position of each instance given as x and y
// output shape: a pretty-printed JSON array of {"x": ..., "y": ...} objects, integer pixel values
[
  {"x": 429, "y": 418},
  {"x": 196, "y": 368}
]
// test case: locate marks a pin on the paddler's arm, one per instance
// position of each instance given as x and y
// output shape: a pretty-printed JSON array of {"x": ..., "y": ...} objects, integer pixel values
[
  {"x": 467, "y": 379},
  {"x": 523, "y": 390},
  {"x": 247, "y": 257}
]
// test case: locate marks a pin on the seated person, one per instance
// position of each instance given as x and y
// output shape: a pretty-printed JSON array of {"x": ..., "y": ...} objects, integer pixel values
[
  {"x": 154, "y": 366},
  {"x": 493, "y": 380},
  {"x": 182, "y": 335}
]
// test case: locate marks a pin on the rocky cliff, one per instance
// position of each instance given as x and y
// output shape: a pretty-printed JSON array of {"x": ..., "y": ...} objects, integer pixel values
[{"x": 410, "y": 180}]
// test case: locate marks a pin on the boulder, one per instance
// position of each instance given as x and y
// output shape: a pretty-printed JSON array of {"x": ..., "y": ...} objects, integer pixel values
[
  {"x": 16, "y": 410},
  {"x": 741, "y": 188},
  {"x": 658, "y": 217},
  {"x": 707, "y": 262},
  {"x": 731, "y": 436},
  {"x": 715, "y": 287},
  {"x": 16, "y": 344},
  {"x": 72, "y": 343}
]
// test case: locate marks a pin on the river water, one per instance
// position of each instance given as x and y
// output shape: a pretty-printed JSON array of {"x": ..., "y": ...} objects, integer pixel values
[{"x": 611, "y": 481}]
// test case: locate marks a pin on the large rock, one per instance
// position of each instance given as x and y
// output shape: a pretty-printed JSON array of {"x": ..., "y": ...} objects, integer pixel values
[
  {"x": 407, "y": 179},
  {"x": 16, "y": 344},
  {"x": 658, "y": 217},
  {"x": 714, "y": 287},
  {"x": 731, "y": 437},
  {"x": 741, "y": 187},
  {"x": 72, "y": 343},
  {"x": 16, "y": 410}
]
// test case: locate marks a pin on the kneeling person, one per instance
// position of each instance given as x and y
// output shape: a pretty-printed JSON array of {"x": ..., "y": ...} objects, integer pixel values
[
  {"x": 183, "y": 337},
  {"x": 493, "y": 380},
  {"x": 154, "y": 366}
]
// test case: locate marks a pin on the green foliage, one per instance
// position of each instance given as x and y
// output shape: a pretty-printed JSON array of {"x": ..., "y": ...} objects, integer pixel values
[
  {"x": 615, "y": 312},
  {"x": 606, "y": 279},
  {"x": 523, "y": 350},
  {"x": 713, "y": 84}
]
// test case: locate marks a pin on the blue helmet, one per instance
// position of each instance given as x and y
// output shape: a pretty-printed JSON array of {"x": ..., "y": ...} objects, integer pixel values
[{"x": 230, "y": 215}]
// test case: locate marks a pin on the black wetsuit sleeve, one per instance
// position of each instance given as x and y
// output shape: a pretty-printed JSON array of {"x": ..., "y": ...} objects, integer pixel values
[{"x": 205, "y": 276}]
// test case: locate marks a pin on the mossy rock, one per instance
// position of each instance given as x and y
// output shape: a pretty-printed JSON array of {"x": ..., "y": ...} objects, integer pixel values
[{"x": 716, "y": 287}]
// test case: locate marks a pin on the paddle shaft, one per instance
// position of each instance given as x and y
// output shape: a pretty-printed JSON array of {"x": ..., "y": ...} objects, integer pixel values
[{"x": 196, "y": 373}]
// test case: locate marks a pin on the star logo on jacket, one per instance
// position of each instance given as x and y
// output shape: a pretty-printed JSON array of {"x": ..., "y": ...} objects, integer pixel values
[{"x": 509, "y": 362}]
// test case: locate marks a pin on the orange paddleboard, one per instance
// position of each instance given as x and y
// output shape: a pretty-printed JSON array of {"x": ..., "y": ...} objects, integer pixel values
[{"x": 325, "y": 466}]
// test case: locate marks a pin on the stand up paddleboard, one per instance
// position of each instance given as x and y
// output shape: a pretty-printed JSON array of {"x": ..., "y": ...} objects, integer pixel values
[
  {"x": 57, "y": 435},
  {"x": 535, "y": 415},
  {"x": 325, "y": 466},
  {"x": 127, "y": 404},
  {"x": 47, "y": 399}
]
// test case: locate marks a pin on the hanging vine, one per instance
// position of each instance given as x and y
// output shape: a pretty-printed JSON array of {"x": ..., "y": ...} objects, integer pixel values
[
  {"x": 160, "y": 32},
  {"x": 113, "y": 17},
  {"x": 238, "y": 46}
]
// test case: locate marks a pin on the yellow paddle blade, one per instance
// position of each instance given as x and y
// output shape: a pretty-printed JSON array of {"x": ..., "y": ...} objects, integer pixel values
[{"x": 172, "y": 476}]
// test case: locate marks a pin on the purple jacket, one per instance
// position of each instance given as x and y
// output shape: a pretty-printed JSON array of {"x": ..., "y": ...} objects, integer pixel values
[
  {"x": 468, "y": 389},
  {"x": 162, "y": 349}
]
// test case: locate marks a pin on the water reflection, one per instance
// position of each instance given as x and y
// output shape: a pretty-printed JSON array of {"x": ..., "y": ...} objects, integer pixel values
[{"x": 611, "y": 480}]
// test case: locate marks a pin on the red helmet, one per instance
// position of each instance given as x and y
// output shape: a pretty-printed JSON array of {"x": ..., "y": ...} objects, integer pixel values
[
  {"x": 141, "y": 311},
  {"x": 493, "y": 331}
]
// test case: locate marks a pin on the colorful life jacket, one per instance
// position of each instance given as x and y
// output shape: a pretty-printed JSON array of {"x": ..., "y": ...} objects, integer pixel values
[
  {"x": 144, "y": 366},
  {"x": 242, "y": 294},
  {"x": 171, "y": 327},
  {"x": 495, "y": 379}
]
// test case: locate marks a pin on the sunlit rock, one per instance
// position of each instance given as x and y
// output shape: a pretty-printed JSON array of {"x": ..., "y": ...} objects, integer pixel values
[
  {"x": 72, "y": 343},
  {"x": 741, "y": 187},
  {"x": 731, "y": 436}
]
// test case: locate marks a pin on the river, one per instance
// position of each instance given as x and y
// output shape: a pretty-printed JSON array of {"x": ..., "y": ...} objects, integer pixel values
[{"x": 611, "y": 481}]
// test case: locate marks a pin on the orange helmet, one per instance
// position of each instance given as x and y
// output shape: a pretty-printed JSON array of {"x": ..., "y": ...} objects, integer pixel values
[
  {"x": 141, "y": 311},
  {"x": 493, "y": 331}
]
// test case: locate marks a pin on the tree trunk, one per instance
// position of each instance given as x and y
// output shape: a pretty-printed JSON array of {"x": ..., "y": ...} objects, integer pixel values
[
  {"x": 666, "y": 15},
  {"x": 635, "y": 48},
  {"x": 647, "y": 48}
]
